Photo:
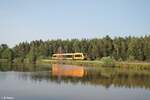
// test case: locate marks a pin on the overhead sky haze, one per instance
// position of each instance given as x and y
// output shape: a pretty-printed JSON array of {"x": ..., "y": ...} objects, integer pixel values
[{"x": 27, "y": 20}]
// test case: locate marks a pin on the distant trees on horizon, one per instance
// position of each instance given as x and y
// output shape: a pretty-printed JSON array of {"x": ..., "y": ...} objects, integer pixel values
[{"x": 119, "y": 48}]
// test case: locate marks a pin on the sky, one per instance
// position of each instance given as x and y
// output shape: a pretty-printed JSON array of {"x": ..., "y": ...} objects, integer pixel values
[{"x": 27, "y": 20}]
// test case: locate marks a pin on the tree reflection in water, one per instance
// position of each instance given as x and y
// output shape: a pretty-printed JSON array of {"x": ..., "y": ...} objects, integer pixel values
[{"x": 99, "y": 76}]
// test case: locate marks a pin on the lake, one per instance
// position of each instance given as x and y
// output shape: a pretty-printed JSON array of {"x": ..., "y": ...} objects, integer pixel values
[{"x": 71, "y": 82}]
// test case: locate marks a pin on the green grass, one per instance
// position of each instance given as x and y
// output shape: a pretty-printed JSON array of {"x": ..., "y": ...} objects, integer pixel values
[
  {"x": 98, "y": 63},
  {"x": 3, "y": 60},
  {"x": 73, "y": 62}
]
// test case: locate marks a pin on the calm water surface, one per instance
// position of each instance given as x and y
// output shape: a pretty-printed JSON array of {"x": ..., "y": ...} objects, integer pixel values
[{"x": 68, "y": 82}]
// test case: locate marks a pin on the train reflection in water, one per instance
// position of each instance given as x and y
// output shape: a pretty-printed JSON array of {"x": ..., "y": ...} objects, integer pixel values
[
  {"x": 97, "y": 76},
  {"x": 67, "y": 70}
]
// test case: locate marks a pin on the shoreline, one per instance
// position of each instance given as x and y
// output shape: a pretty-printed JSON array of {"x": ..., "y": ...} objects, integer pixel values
[{"x": 94, "y": 63}]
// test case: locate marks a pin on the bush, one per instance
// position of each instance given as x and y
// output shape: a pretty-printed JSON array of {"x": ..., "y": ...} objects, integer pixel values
[
  {"x": 18, "y": 60},
  {"x": 108, "y": 62},
  {"x": 131, "y": 58}
]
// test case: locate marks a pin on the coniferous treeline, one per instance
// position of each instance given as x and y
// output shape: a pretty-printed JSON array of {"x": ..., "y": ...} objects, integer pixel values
[{"x": 127, "y": 48}]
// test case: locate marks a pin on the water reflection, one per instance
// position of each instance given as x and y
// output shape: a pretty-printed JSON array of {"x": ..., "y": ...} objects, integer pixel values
[
  {"x": 97, "y": 76},
  {"x": 67, "y": 70}
]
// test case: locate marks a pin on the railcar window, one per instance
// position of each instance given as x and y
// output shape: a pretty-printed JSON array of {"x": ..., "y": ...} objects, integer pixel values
[
  {"x": 78, "y": 55},
  {"x": 68, "y": 56}
]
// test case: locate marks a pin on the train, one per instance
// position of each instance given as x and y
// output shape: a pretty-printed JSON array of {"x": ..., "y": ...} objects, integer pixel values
[{"x": 69, "y": 56}]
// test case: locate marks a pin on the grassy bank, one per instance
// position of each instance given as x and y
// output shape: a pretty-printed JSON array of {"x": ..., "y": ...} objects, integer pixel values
[
  {"x": 3, "y": 60},
  {"x": 72, "y": 62},
  {"x": 125, "y": 64},
  {"x": 95, "y": 63}
]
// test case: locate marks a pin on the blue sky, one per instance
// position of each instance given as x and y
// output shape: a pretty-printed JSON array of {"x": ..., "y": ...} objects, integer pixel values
[{"x": 26, "y": 20}]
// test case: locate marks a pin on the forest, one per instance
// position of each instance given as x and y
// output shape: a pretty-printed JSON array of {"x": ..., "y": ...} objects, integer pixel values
[{"x": 119, "y": 48}]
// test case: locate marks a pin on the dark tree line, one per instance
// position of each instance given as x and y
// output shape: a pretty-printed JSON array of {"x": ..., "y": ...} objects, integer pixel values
[{"x": 127, "y": 48}]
